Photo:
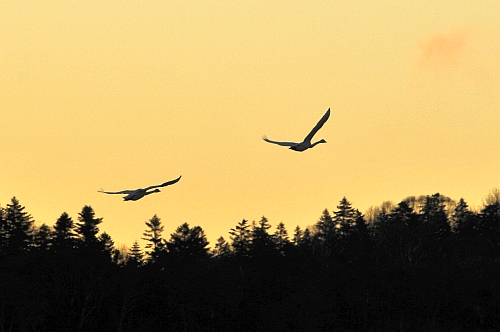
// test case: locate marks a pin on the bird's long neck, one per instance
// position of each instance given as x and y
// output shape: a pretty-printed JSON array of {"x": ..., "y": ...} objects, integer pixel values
[{"x": 316, "y": 143}]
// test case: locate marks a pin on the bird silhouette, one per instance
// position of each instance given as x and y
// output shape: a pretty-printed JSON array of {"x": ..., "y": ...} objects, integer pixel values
[
  {"x": 306, "y": 143},
  {"x": 134, "y": 195}
]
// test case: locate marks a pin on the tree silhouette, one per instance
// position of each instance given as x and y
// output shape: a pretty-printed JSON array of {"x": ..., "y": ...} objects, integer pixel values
[
  {"x": 358, "y": 244},
  {"x": 153, "y": 236},
  {"x": 4, "y": 233},
  {"x": 326, "y": 236},
  {"x": 488, "y": 227},
  {"x": 241, "y": 238},
  {"x": 297, "y": 235},
  {"x": 135, "y": 256},
  {"x": 463, "y": 220},
  {"x": 345, "y": 217},
  {"x": 42, "y": 238},
  {"x": 281, "y": 239},
  {"x": 17, "y": 228},
  {"x": 188, "y": 242},
  {"x": 399, "y": 236},
  {"x": 402, "y": 271},
  {"x": 63, "y": 235},
  {"x": 87, "y": 228},
  {"x": 262, "y": 243},
  {"x": 106, "y": 242},
  {"x": 222, "y": 248},
  {"x": 434, "y": 214}
]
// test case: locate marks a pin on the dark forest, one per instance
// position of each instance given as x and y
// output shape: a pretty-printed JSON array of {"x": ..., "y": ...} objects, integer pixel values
[{"x": 427, "y": 263}]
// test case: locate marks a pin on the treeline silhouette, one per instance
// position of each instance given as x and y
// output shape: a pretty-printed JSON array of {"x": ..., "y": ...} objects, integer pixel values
[{"x": 427, "y": 263}]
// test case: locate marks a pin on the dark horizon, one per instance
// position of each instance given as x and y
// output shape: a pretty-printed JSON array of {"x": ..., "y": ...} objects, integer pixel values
[{"x": 417, "y": 267}]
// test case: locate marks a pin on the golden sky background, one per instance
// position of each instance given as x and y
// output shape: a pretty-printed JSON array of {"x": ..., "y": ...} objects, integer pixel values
[{"x": 126, "y": 94}]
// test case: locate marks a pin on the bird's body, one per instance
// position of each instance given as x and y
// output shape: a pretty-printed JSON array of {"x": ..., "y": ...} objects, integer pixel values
[
  {"x": 134, "y": 195},
  {"x": 306, "y": 143}
]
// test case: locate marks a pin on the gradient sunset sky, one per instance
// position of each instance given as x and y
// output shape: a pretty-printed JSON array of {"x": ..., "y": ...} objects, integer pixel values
[{"x": 126, "y": 94}]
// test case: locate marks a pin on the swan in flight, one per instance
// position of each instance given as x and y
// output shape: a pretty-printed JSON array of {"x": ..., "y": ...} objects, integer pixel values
[
  {"x": 306, "y": 143},
  {"x": 134, "y": 195}
]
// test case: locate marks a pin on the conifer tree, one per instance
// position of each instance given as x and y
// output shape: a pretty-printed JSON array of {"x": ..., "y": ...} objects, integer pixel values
[
  {"x": 306, "y": 242},
  {"x": 63, "y": 235},
  {"x": 221, "y": 249},
  {"x": 345, "y": 217},
  {"x": 262, "y": 243},
  {"x": 153, "y": 236},
  {"x": 42, "y": 238},
  {"x": 403, "y": 215},
  {"x": 434, "y": 214},
  {"x": 302, "y": 240},
  {"x": 17, "y": 228},
  {"x": 297, "y": 236},
  {"x": 463, "y": 220},
  {"x": 281, "y": 238},
  {"x": 360, "y": 223},
  {"x": 135, "y": 255},
  {"x": 87, "y": 228},
  {"x": 106, "y": 242},
  {"x": 188, "y": 242},
  {"x": 240, "y": 237},
  {"x": 326, "y": 229}
]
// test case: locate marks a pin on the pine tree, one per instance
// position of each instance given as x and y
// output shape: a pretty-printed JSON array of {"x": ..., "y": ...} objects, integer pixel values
[
  {"x": 403, "y": 215},
  {"x": 87, "y": 228},
  {"x": 42, "y": 238},
  {"x": 297, "y": 236},
  {"x": 326, "y": 229},
  {"x": 345, "y": 217},
  {"x": 361, "y": 224},
  {"x": 240, "y": 237},
  {"x": 434, "y": 214},
  {"x": 222, "y": 248},
  {"x": 188, "y": 242},
  {"x": 262, "y": 243},
  {"x": 153, "y": 236},
  {"x": 63, "y": 235},
  {"x": 17, "y": 228},
  {"x": 135, "y": 257},
  {"x": 306, "y": 242},
  {"x": 281, "y": 238},
  {"x": 463, "y": 220},
  {"x": 106, "y": 242}
]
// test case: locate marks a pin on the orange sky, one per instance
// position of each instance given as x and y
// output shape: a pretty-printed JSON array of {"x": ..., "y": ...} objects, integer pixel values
[{"x": 125, "y": 94}]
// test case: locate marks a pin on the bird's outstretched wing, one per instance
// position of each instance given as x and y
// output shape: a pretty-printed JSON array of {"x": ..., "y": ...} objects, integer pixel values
[
  {"x": 164, "y": 184},
  {"x": 279, "y": 143},
  {"x": 123, "y": 192},
  {"x": 318, "y": 126}
]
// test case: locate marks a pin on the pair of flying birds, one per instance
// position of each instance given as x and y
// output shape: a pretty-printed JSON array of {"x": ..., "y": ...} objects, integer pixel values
[{"x": 134, "y": 195}]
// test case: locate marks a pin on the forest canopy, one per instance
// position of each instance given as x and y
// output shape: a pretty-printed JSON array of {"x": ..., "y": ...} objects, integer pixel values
[{"x": 427, "y": 261}]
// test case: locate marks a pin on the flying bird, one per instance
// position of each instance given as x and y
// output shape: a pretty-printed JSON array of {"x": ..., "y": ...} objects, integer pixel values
[
  {"x": 306, "y": 143},
  {"x": 134, "y": 195}
]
